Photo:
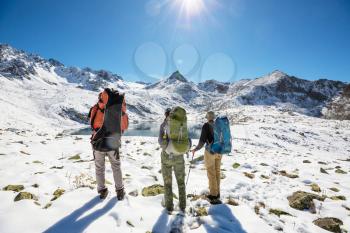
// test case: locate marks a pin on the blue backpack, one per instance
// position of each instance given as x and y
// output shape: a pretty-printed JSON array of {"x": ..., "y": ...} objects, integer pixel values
[{"x": 222, "y": 136}]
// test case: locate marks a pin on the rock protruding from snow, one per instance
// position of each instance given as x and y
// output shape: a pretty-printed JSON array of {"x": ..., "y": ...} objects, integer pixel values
[
  {"x": 329, "y": 224},
  {"x": 213, "y": 86},
  {"x": 303, "y": 200},
  {"x": 339, "y": 108}
]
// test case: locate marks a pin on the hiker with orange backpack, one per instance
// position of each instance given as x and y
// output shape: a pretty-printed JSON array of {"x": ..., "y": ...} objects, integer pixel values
[
  {"x": 108, "y": 120},
  {"x": 217, "y": 137}
]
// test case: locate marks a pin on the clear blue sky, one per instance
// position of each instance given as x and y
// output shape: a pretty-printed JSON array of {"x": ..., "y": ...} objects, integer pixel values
[{"x": 220, "y": 39}]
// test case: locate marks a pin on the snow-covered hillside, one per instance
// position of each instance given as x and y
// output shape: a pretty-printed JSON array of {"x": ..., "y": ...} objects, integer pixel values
[
  {"x": 275, "y": 154},
  {"x": 279, "y": 148}
]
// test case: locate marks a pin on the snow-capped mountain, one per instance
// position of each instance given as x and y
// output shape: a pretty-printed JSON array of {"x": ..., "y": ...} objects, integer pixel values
[
  {"x": 48, "y": 89},
  {"x": 288, "y": 92},
  {"x": 16, "y": 64}
]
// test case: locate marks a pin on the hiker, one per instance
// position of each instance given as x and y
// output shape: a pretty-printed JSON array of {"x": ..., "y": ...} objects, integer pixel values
[
  {"x": 108, "y": 120},
  {"x": 174, "y": 141},
  {"x": 215, "y": 147}
]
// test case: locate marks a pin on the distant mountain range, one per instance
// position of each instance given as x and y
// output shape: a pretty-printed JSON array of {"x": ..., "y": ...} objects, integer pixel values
[{"x": 64, "y": 94}]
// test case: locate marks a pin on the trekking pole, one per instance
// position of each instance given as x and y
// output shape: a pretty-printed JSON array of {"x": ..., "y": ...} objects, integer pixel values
[{"x": 189, "y": 169}]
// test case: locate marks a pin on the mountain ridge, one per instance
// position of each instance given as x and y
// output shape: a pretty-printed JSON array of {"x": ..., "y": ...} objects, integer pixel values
[{"x": 148, "y": 101}]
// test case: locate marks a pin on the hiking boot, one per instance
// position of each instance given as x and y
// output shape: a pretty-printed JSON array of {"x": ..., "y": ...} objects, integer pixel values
[
  {"x": 211, "y": 197},
  {"x": 120, "y": 194},
  {"x": 215, "y": 201},
  {"x": 170, "y": 210},
  {"x": 103, "y": 193}
]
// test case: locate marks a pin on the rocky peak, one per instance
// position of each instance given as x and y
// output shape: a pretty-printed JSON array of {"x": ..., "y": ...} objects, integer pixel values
[
  {"x": 177, "y": 76},
  {"x": 278, "y": 73}
]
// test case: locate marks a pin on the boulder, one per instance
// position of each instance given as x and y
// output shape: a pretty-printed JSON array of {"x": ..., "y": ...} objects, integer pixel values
[
  {"x": 286, "y": 174},
  {"x": 249, "y": 175},
  {"x": 153, "y": 190},
  {"x": 315, "y": 187},
  {"x": 329, "y": 224},
  {"x": 301, "y": 200},
  {"x": 322, "y": 170},
  {"x": 25, "y": 195},
  {"x": 278, "y": 212},
  {"x": 75, "y": 157},
  {"x": 264, "y": 177},
  {"x": 201, "y": 211},
  {"x": 334, "y": 189},
  {"x": 57, "y": 194},
  {"x": 236, "y": 165},
  {"x": 13, "y": 187},
  {"x": 338, "y": 198},
  {"x": 340, "y": 171},
  {"x": 232, "y": 202},
  {"x": 48, "y": 205}
]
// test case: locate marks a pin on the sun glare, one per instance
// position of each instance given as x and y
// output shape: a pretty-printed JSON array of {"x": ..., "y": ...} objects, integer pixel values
[{"x": 191, "y": 7}]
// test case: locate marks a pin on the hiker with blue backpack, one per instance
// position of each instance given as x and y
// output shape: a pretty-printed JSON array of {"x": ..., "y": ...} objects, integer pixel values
[
  {"x": 216, "y": 136},
  {"x": 175, "y": 142}
]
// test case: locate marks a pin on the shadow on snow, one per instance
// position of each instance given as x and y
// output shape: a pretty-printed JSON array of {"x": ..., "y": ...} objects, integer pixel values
[
  {"x": 223, "y": 221},
  {"x": 163, "y": 224},
  {"x": 73, "y": 224}
]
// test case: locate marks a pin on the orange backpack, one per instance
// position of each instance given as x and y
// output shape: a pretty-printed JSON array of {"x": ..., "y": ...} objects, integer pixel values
[{"x": 96, "y": 113}]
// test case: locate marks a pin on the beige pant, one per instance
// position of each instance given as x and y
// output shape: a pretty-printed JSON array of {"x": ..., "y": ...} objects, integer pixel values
[
  {"x": 213, "y": 164},
  {"x": 114, "y": 159}
]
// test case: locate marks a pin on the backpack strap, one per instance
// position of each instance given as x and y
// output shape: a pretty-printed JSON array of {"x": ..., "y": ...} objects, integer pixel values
[
  {"x": 210, "y": 131},
  {"x": 94, "y": 116}
]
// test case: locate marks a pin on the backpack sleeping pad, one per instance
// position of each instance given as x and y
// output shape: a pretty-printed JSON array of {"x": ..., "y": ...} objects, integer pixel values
[
  {"x": 176, "y": 129},
  {"x": 108, "y": 137},
  {"x": 222, "y": 136}
]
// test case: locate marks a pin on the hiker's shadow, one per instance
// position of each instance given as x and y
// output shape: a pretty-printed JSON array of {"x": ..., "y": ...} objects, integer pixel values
[
  {"x": 73, "y": 224},
  {"x": 223, "y": 220},
  {"x": 163, "y": 224}
]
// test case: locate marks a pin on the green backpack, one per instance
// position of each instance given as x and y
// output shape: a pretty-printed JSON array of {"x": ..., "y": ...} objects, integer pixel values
[{"x": 179, "y": 142}]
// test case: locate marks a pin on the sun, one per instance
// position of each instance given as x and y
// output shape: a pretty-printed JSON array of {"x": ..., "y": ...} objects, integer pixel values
[{"x": 191, "y": 7}]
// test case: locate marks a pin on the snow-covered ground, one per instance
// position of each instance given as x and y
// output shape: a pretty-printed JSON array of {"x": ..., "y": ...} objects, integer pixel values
[{"x": 266, "y": 141}]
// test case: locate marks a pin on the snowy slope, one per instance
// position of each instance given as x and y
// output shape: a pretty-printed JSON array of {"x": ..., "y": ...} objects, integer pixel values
[{"x": 264, "y": 144}]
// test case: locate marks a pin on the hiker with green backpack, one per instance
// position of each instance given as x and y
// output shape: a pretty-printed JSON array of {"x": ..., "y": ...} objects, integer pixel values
[
  {"x": 216, "y": 136},
  {"x": 175, "y": 142}
]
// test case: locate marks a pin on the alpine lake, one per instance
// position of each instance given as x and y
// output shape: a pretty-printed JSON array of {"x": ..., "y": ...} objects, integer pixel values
[{"x": 143, "y": 129}]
